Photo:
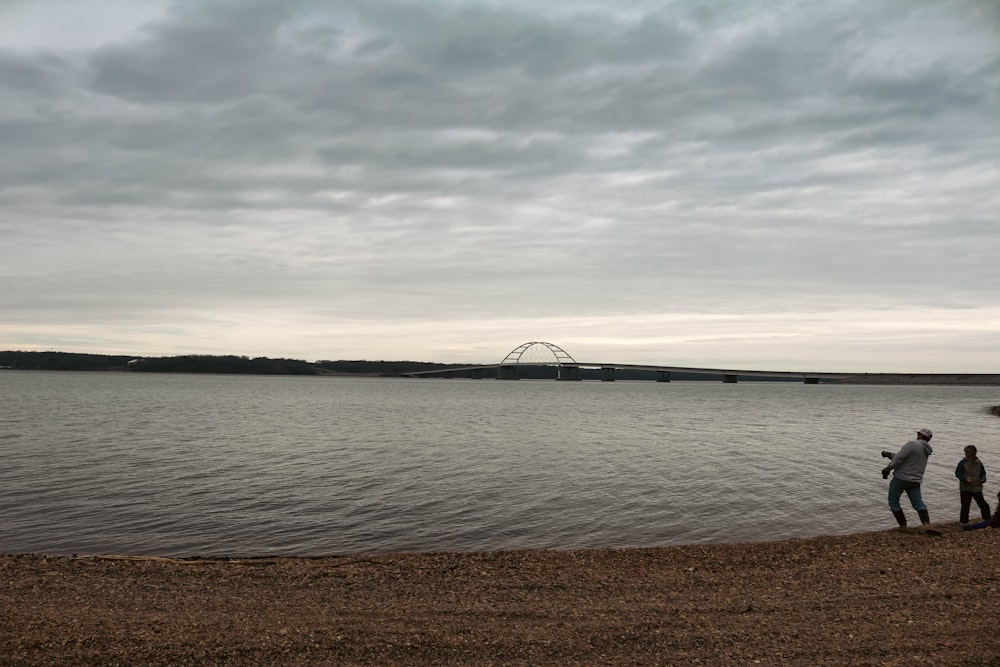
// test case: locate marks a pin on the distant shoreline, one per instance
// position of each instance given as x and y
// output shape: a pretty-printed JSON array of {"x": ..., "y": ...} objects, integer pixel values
[
  {"x": 965, "y": 379},
  {"x": 883, "y": 379},
  {"x": 241, "y": 365}
]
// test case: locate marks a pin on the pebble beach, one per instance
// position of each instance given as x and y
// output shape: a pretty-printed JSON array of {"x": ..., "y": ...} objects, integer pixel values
[{"x": 882, "y": 598}]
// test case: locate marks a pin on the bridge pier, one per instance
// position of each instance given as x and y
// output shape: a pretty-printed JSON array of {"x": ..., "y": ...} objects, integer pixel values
[
  {"x": 729, "y": 379},
  {"x": 568, "y": 373},
  {"x": 608, "y": 374},
  {"x": 508, "y": 372},
  {"x": 663, "y": 376}
]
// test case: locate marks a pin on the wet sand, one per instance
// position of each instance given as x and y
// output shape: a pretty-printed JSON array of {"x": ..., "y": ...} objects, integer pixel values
[{"x": 885, "y": 598}]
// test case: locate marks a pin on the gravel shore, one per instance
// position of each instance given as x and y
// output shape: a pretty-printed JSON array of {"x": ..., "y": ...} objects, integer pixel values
[{"x": 885, "y": 598}]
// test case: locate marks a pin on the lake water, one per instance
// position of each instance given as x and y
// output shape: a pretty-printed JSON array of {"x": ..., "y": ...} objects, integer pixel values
[{"x": 194, "y": 465}]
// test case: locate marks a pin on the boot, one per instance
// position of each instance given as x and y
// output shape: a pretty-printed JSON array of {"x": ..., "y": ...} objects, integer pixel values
[
  {"x": 900, "y": 518},
  {"x": 925, "y": 519}
]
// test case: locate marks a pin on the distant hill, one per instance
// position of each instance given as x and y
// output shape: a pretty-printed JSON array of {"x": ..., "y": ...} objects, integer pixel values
[
  {"x": 225, "y": 364},
  {"x": 63, "y": 361},
  {"x": 228, "y": 364},
  {"x": 231, "y": 364}
]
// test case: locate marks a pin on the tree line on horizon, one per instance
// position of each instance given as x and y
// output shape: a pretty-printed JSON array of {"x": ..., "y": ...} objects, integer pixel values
[
  {"x": 204, "y": 363},
  {"x": 242, "y": 365}
]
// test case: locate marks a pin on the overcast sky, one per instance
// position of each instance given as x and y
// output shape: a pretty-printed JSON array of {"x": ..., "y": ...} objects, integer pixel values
[{"x": 767, "y": 185}]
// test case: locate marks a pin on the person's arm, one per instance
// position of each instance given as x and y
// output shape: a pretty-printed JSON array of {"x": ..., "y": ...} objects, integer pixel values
[
  {"x": 982, "y": 474},
  {"x": 960, "y": 470},
  {"x": 899, "y": 458},
  {"x": 894, "y": 462}
]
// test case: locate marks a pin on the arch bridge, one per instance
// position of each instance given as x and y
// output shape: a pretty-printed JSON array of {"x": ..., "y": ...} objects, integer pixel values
[{"x": 541, "y": 353}]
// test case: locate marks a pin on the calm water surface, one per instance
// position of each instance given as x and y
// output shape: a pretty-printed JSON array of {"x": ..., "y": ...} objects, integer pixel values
[{"x": 190, "y": 465}]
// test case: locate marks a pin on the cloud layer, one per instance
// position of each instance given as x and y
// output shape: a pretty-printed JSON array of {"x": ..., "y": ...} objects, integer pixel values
[{"x": 802, "y": 186}]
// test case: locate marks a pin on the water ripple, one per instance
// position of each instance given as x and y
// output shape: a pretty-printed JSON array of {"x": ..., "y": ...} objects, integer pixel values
[{"x": 217, "y": 465}]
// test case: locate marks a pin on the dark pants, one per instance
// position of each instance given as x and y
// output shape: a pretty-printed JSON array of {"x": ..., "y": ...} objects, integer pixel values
[
  {"x": 967, "y": 498},
  {"x": 896, "y": 488}
]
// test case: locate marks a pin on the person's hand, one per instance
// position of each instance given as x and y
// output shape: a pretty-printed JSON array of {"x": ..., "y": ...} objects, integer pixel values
[
  {"x": 885, "y": 472},
  {"x": 968, "y": 480}
]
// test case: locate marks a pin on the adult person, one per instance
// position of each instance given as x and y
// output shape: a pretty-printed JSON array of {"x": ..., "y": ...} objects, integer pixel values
[
  {"x": 971, "y": 474},
  {"x": 907, "y": 467}
]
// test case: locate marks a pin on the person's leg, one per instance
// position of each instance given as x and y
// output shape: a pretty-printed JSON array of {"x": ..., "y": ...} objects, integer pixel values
[
  {"x": 984, "y": 507},
  {"x": 963, "y": 516},
  {"x": 913, "y": 493},
  {"x": 895, "y": 491}
]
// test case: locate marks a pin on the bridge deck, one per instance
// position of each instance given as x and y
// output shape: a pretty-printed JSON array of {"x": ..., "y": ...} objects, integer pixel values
[{"x": 647, "y": 367}]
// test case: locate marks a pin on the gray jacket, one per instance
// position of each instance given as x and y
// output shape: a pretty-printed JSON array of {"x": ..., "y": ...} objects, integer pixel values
[{"x": 909, "y": 463}]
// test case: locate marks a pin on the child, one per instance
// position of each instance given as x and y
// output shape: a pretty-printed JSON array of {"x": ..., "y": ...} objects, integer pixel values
[
  {"x": 994, "y": 521},
  {"x": 971, "y": 474}
]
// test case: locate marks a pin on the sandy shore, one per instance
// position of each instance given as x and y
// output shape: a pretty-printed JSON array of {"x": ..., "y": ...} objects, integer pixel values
[{"x": 885, "y": 598}]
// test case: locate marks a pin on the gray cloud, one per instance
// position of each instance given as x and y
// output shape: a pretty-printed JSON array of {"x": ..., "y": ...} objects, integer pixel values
[{"x": 412, "y": 167}]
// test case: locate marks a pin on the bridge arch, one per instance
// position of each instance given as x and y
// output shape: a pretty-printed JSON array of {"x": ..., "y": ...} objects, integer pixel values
[
  {"x": 567, "y": 366},
  {"x": 558, "y": 354}
]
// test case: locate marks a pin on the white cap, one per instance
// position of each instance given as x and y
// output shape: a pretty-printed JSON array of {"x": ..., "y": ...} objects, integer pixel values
[{"x": 926, "y": 432}]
